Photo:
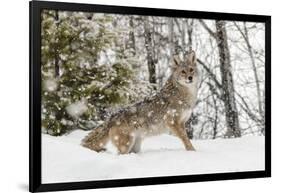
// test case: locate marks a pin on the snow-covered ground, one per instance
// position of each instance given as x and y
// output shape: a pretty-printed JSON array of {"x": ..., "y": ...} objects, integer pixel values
[{"x": 64, "y": 160}]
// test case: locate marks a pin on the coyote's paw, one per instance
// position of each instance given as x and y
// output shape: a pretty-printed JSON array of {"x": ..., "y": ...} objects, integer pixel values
[{"x": 190, "y": 148}]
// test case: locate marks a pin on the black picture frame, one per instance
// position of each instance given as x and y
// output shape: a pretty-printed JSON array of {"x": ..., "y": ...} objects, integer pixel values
[{"x": 35, "y": 184}]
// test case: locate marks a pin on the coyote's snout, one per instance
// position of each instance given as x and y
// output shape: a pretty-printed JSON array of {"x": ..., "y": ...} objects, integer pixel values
[{"x": 168, "y": 110}]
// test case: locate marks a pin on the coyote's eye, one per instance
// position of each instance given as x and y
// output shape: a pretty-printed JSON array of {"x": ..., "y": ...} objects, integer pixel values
[
  {"x": 191, "y": 70},
  {"x": 183, "y": 71}
]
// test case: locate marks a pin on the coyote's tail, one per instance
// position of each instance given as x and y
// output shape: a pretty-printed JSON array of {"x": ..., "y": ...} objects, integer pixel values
[{"x": 96, "y": 139}]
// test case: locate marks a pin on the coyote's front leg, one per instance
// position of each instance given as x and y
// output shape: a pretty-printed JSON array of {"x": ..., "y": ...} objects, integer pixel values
[{"x": 180, "y": 132}]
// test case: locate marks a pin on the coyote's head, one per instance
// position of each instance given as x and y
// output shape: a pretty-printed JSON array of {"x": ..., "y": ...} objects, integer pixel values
[{"x": 185, "y": 72}]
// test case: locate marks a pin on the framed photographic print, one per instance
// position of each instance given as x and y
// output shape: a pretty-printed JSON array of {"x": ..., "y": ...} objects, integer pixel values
[{"x": 126, "y": 96}]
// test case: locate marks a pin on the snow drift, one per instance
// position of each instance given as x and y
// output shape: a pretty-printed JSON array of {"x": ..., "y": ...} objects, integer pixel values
[{"x": 64, "y": 160}]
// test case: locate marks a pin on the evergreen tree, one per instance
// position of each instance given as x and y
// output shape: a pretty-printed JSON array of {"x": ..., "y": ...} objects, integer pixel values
[{"x": 77, "y": 87}]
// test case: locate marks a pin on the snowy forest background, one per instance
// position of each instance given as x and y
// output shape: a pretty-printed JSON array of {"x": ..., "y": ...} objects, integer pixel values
[{"x": 94, "y": 64}]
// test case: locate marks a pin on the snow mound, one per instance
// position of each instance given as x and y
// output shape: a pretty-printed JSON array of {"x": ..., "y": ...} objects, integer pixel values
[
  {"x": 78, "y": 108},
  {"x": 64, "y": 160}
]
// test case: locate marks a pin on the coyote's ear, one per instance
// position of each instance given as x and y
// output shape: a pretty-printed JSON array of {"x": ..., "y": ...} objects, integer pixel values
[
  {"x": 176, "y": 61},
  {"x": 191, "y": 58}
]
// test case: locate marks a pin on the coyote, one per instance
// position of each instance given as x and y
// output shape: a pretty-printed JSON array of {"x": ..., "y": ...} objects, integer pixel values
[{"x": 168, "y": 110}]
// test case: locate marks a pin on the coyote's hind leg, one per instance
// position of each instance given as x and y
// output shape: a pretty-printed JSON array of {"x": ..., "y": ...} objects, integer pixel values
[{"x": 123, "y": 141}]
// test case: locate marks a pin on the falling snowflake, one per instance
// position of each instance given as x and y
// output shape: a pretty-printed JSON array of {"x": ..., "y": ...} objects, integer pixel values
[
  {"x": 101, "y": 97},
  {"x": 50, "y": 85},
  {"x": 149, "y": 113}
]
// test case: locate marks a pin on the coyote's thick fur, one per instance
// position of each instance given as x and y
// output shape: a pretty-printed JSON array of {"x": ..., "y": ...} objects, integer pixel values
[{"x": 167, "y": 111}]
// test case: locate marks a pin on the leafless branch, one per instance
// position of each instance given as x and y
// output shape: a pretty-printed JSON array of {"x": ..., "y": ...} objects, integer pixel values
[{"x": 211, "y": 32}]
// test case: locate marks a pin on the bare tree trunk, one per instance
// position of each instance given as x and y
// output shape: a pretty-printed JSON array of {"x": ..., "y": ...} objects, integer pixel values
[
  {"x": 171, "y": 38},
  {"x": 189, "y": 32},
  {"x": 189, "y": 45},
  {"x": 215, "y": 127},
  {"x": 57, "y": 113},
  {"x": 245, "y": 36},
  {"x": 131, "y": 43},
  {"x": 149, "y": 51},
  {"x": 227, "y": 85},
  {"x": 57, "y": 68},
  {"x": 254, "y": 71},
  {"x": 183, "y": 33},
  {"x": 231, "y": 114}
]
